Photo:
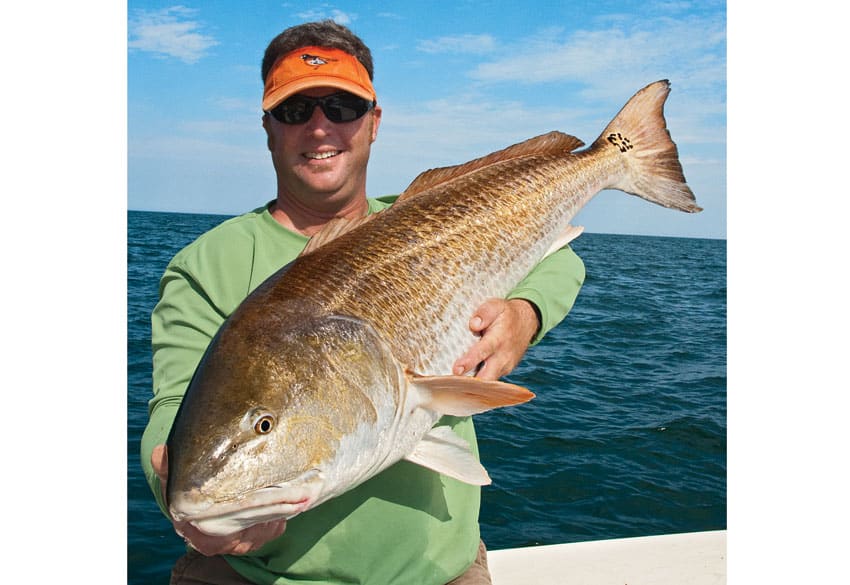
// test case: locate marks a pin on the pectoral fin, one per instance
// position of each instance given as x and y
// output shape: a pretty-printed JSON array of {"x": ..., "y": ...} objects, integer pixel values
[
  {"x": 464, "y": 395},
  {"x": 444, "y": 452}
]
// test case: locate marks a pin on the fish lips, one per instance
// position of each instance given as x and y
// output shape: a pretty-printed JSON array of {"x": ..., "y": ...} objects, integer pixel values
[{"x": 262, "y": 505}]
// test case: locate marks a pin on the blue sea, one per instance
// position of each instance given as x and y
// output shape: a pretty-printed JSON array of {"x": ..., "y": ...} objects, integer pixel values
[{"x": 627, "y": 435}]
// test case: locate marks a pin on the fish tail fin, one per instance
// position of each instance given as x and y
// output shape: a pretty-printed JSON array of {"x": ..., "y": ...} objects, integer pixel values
[{"x": 639, "y": 132}]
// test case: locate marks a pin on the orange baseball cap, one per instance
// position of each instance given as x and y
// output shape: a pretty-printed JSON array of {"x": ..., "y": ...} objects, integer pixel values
[{"x": 315, "y": 67}]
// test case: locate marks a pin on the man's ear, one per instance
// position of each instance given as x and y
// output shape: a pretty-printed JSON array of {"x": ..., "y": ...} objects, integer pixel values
[
  {"x": 376, "y": 121},
  {"x": 269, "y": 136}
]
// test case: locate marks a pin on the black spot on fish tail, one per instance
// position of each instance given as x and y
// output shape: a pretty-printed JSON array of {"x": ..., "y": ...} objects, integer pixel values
[{"x": 620, "y": 141}]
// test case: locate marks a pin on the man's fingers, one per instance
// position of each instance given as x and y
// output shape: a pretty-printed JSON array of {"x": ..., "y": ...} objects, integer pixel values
[
  {"x": 486, "y": 314},
  {"x": 478, "y": 353},
  {"x": 255, "y": 537},
  {"x": 489, "y": 371},
  {"x": 483, "y": 318},
  {"x": 159, "y": 461},
  {"x": 267, "y": 532},
  {"x": 505, "y": 329}
]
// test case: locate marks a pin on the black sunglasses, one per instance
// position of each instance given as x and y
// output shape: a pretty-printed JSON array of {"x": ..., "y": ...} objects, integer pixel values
[{"x": 337, "y": 107}]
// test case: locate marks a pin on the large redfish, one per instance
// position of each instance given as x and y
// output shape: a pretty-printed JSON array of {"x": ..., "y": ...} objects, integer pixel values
[{"x": 339, "y": 365}]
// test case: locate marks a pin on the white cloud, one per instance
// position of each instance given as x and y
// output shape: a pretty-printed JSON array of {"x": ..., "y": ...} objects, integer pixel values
[
  {"x": 325, "y": 11},
  {"x": 579, "y": 80},
  {"x": 625, "y": 55},
  {"x": 462, "y": 44},
  {"x": 237, "y": 104},
  {"x": 416, "y": 136},
  {"x": 169, "y": 32}
]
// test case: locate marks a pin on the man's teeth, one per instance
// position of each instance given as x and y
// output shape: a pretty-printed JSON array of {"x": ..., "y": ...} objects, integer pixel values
[{"x": 322, "y": 155}]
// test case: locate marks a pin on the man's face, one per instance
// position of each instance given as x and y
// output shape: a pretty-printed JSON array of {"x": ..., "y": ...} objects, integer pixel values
[{"x": 321, "y": 161}]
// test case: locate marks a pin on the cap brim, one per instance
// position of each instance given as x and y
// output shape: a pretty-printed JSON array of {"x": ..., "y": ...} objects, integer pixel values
[{"x": 277, "y": 96}]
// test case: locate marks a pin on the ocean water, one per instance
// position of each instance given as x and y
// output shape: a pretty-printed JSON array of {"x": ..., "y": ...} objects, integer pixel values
[{"x": 627, "y": 435}]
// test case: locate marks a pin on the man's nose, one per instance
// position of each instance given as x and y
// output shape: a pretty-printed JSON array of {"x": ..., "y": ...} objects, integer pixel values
[{"x": 318, "y": 122}]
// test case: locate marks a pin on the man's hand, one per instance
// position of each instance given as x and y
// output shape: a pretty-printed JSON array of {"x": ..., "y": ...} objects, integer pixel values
[
  {"x": 239, "y": 543},
  {"x": 506, "y": 328}
]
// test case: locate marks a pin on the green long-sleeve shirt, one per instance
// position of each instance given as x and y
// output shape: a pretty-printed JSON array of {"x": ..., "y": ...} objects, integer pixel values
[{"x": 405, "y": 525}]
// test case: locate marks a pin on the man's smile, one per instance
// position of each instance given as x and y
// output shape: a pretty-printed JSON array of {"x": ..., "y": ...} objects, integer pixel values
[{"x": 322, "y": 155}]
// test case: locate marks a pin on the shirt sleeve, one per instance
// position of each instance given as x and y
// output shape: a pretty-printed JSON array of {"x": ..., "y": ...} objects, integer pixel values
[{"x": 183, "y": 323}]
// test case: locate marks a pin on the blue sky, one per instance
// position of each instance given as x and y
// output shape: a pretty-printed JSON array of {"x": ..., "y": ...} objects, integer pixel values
[{"x": 456, "y": 80}]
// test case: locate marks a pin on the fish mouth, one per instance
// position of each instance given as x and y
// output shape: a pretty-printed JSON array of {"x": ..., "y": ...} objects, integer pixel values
[{"x": 269, "y": 503}]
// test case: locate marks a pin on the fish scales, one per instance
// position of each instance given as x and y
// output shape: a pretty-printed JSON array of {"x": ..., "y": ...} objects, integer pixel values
[{"x": 429, "y": 261}]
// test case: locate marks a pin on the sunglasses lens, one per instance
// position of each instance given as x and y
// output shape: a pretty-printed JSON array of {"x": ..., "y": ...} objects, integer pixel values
[
  {"x": 345, "y": 107},
  {"x": 295, "y": 110},
  {"x": 338, "y": 107}
]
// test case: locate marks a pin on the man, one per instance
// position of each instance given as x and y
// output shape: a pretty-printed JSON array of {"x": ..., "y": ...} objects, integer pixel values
[{"x": 407, "y": 524}]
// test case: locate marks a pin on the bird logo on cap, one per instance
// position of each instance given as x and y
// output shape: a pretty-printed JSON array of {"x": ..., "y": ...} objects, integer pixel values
[{"x": 315, "y": 60}]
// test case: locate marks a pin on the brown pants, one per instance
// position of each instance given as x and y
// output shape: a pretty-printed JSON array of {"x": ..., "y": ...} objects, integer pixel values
[
  {"x": 478, "y": 573},
  {"x": 193, "y": 568}
]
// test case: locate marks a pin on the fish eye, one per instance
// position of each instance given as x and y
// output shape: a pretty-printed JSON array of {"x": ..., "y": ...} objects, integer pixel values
[{"x": 264, "y": 424}]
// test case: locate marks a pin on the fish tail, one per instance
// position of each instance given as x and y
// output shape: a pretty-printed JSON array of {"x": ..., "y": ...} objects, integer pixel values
[{"x": 639, "y": 132}]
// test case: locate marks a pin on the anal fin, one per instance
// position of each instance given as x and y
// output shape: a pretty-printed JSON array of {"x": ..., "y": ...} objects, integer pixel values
[{"x": 570, "y": 233}]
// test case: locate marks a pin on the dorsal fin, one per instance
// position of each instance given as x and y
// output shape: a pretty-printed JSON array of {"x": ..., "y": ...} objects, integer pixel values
[
  {"x": 550, "y": 143},
  {"x": 334, "y": 229}
]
